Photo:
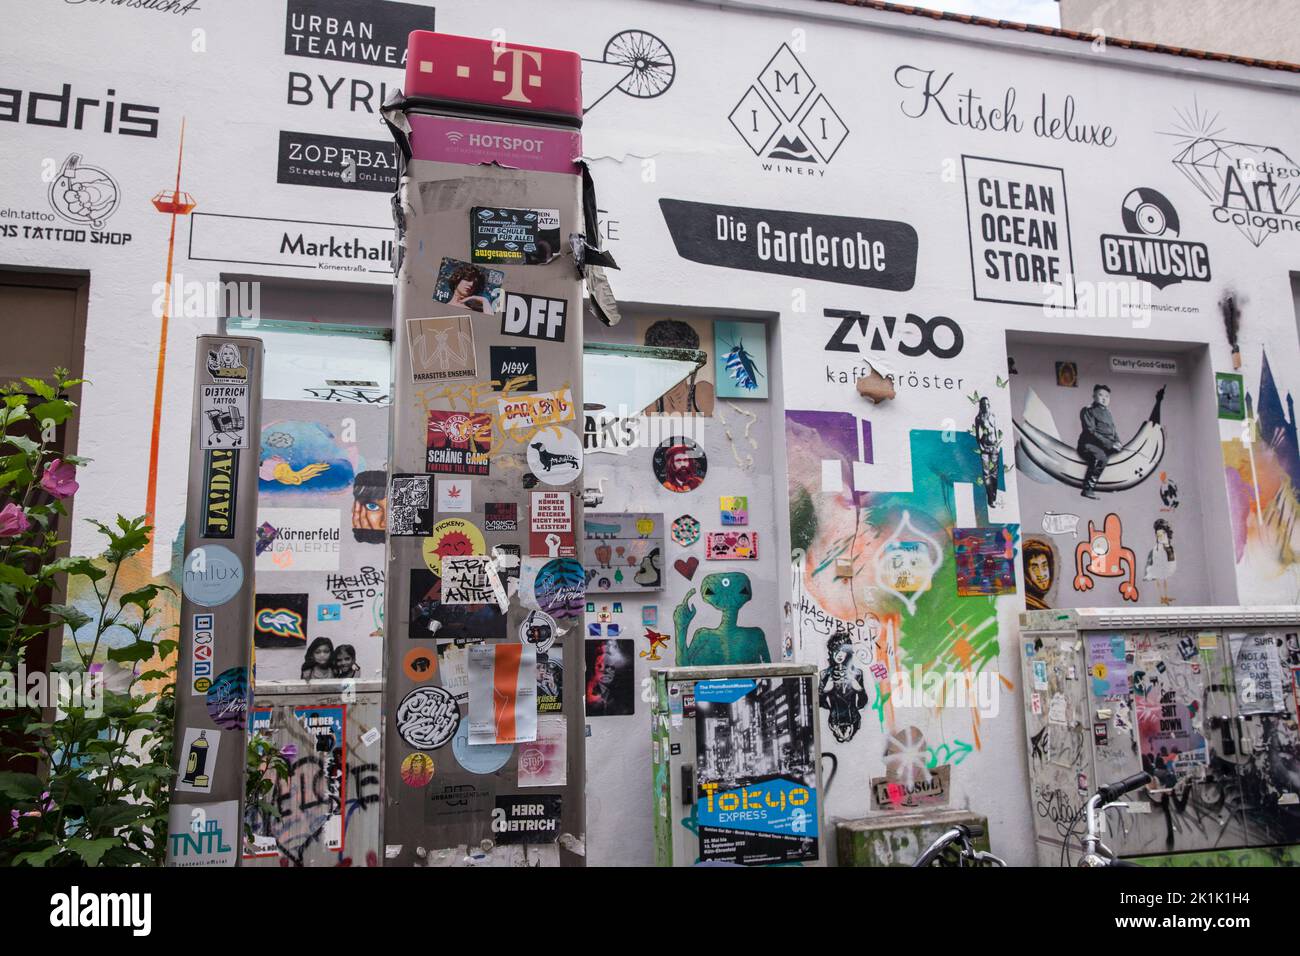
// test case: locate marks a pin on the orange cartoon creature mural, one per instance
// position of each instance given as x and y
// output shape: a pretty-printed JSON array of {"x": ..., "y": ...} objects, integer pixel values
[{"x": 1105, "y": 554}]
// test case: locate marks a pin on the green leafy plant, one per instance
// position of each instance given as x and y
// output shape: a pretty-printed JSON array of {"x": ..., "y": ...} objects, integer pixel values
[
  {"x": 265, "y": 767},
  {"x": 99, "y": 790}
]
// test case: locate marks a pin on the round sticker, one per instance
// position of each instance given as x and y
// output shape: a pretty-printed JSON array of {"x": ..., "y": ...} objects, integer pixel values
[
  {"x": 417, "y": 770},
  {"x": 560, "y": 588},
  {"x": 427, "y": 718},
  {"x": 213, "y": 575},
  {"x": 686, "y": 531},
  {"x": 479, "y": 758},
  {"x": 227, "y": 699},
  {"x": 538, "y": 629},
  {"x": 680, "y": 464},
  {"x": 451, "y": 536},
  {"x": 420, "y": 664},
  {"x": 555, "y": 456}
]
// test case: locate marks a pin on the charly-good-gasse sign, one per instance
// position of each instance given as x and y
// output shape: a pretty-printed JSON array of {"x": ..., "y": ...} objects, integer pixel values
[{"x": 875, "y": 253}]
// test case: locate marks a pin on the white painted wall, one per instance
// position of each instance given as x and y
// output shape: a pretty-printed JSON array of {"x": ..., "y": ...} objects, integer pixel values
[{"x": 234, "y": 95}]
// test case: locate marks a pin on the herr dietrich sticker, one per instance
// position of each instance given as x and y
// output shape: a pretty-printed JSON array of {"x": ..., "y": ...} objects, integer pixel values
[
  {"x": 1152, "y": 251},
  {"x": 875, "y": 253}
]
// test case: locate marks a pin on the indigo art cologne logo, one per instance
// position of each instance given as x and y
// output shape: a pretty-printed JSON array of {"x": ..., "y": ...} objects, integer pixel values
[
  {"x": 784, "y": 118},
  {"x": 1152, "y": 250}
]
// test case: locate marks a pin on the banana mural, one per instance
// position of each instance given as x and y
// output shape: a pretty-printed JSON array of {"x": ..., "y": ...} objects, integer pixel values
[{"x": 1040, "y": 452}]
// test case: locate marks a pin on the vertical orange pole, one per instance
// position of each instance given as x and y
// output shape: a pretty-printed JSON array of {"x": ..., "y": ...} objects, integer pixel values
[{"x": 151, "y": 496}]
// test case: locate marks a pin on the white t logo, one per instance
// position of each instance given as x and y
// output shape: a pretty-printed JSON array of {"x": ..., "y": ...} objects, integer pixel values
[{"x": 516, "y": 94}]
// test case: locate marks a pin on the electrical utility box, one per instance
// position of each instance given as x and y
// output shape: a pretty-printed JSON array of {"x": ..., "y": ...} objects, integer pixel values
[
  {"x": 736, "y": 753},
  {"x": 1202, "y": 698}
]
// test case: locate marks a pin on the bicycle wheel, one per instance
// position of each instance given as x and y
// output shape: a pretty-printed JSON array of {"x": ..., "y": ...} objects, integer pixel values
[{"x": 648, "y": 59}]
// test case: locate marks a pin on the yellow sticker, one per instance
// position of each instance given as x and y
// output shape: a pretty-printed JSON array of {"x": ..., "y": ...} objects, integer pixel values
[{"x": 451, "y": 536}]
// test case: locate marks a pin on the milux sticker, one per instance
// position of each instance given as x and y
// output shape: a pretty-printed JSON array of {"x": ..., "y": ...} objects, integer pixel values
[
  {"x": 459, "y": 443},
  {"x": 220, "y": 473},
  {"x": 514, "y": 236}
]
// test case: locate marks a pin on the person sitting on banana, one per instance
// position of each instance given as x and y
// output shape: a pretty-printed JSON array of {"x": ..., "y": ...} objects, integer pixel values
[{"x": 1099, "y": 438}]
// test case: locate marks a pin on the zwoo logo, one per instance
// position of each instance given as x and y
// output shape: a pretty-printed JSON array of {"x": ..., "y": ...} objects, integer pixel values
[{"x": 886, "y": 331}]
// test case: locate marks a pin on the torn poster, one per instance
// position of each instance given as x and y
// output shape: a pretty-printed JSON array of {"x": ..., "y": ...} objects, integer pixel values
[{"x": 502, "y": 694}]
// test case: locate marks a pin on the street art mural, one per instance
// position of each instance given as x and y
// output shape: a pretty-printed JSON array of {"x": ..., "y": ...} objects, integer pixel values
[
  {"x": 870, "y": 593},
  {"x": 1262, "y": 473}
]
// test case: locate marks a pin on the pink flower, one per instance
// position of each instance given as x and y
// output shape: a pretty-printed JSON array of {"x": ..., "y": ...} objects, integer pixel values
[
  {"x": 13, "y": 521},
  {"x": 60, "y": 479}
]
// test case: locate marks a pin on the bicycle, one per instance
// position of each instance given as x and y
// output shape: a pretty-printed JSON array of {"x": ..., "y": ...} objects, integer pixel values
[
  {"x": 1101, "y": 801},
  {"x": 959, "y": 837}
]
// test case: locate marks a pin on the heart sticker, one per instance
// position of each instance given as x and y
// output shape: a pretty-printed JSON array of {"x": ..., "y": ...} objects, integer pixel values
[{"x": 686, "y": 567}]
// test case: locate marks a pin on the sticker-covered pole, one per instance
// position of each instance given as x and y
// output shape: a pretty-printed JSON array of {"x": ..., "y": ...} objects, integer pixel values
[
  {"x": 213, "y": 672},
  {"x": 483, "y": 704}
]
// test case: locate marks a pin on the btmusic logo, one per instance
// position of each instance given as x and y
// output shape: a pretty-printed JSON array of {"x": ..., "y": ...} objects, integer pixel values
[{"x": 780, "y": 118}]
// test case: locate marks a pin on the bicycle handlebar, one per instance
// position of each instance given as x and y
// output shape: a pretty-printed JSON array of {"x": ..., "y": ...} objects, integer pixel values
[{"x": 1114, "y": 791}]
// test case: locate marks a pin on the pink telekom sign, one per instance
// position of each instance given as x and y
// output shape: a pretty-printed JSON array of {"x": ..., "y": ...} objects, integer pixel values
[
  {"x": 507, "y": 76},
  {"x": 450, "y": 139}
]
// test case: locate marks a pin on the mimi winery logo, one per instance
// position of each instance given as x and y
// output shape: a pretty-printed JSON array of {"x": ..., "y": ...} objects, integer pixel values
[{"x": 784, "y": 118}]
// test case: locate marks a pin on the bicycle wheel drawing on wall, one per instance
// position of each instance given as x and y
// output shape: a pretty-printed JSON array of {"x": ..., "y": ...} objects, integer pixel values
[{"x": 644, "y": 63}]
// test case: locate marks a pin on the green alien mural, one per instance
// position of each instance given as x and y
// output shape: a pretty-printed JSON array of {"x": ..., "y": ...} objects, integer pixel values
[{"x": 728, "y": 643}]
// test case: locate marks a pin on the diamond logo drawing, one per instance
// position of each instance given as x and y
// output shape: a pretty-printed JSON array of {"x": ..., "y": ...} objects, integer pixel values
[
  {"x": 755, "y": 120},
  {"x": 823, "y": 127},
  {"x": 1241, "y": 179},
  {"x": 783, "y": 116},
  {"x": 784, "y": 80}
]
